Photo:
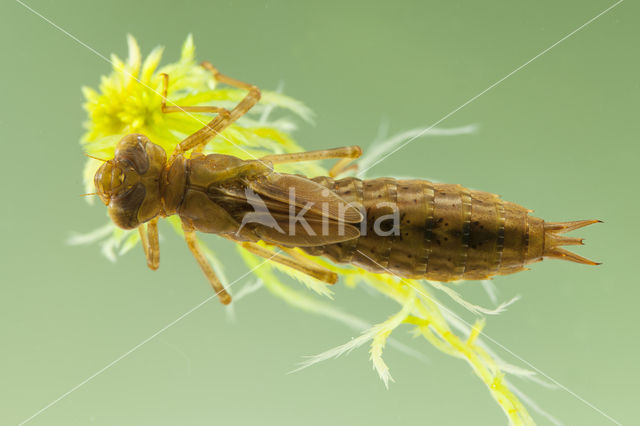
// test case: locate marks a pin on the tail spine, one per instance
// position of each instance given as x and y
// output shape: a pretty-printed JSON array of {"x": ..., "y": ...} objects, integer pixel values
[{"x": 553, "y": 240}]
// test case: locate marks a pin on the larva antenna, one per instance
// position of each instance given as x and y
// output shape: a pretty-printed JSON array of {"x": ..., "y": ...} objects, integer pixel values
[
  {"x": 96, "y": 158},
  {"x": 553, "y": 240}
]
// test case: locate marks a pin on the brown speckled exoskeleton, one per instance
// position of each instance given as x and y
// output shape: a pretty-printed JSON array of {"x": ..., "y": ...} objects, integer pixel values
[{"x": 411, "y": 228}]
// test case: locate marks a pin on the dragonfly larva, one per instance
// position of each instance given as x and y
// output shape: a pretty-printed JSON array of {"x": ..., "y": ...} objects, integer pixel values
[{"x": 411, "y": 228}]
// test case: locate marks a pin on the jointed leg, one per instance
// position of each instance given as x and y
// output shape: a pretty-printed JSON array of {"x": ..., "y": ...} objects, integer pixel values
[
  {"x": 192, "y": 242},
  {"x": 223, "y": 113},
  {"x": 176, "y": 108},
  {"x": 307, "y": 267},
  {"x": 225, "y": 118},
  {"x": 302, "y": 260},
  {"x": 346, "y": 154},
  {"x": 247, "y": 102},
  {"x": 150, "y": 243},
  {"x": 342, "y": 166}
]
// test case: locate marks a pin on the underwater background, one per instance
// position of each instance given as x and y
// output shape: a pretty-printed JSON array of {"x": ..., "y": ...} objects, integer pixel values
[{"x": 558, "y": 136}]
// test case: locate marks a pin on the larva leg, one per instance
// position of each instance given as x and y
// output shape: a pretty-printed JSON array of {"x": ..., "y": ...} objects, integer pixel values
[
  {"x": 175, "y": 108},
  {"x": 223, "y": 113},
  {"x": 150, "y": 243},
  {"x": 249, "y": 100},
  {"x": 342, "y": 166},
  {"x": 347, "y": 154},
  {"x": 223, "y": 120},
  {"x": 192, "y": 242},
  {"x": 306, "y": 268}
]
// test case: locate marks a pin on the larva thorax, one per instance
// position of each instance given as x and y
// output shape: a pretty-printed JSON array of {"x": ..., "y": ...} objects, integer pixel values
[{"x": 442, "y": 232}]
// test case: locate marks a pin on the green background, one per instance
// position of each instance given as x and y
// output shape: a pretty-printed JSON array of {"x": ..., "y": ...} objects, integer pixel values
[{"x": 560, "y": 136}]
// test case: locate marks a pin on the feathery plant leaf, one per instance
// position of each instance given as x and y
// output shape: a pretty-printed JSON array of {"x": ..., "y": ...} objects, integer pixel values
[
  {"x": 378, "y": 333},
  {"x": 476, "y": 309}
]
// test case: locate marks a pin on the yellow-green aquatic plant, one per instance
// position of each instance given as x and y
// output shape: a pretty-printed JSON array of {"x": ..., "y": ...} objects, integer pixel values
[{"x": 128, "y": 101}]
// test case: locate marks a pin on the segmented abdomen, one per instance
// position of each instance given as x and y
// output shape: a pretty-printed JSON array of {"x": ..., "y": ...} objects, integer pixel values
[{"x": 444, "y": 233}]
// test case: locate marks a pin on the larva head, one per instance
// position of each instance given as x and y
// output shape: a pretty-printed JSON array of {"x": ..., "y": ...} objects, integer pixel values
[{"x": 129, "y": 184}]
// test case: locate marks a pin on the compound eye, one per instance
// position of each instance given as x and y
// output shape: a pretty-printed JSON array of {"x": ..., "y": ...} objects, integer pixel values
[
  {"x": 131, "y": 152},
  {"x": 124, "y": 206}
]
